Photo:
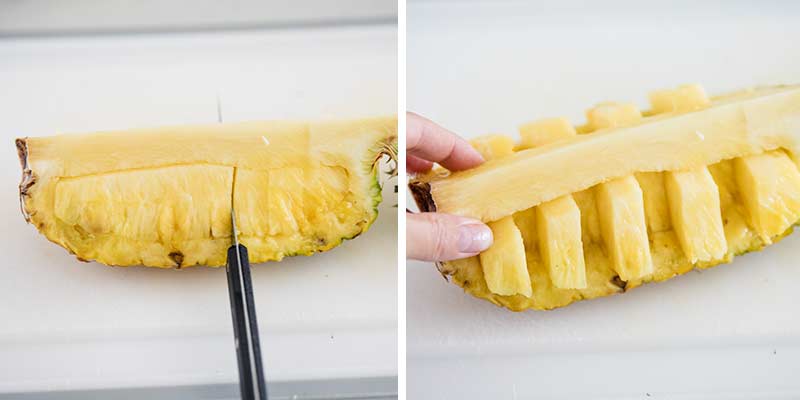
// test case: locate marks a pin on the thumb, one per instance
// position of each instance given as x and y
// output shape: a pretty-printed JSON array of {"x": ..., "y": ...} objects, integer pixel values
[{"x": 443, "y": 237}]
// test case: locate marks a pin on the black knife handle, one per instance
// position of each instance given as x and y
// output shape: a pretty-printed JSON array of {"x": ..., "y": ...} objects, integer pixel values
[{"x": 241, "y": 341}]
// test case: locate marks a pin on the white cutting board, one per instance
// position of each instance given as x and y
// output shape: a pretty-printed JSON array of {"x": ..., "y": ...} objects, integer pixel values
[
  {"x": 729, "y": 332},
  {"x": 65, "y": 324}
]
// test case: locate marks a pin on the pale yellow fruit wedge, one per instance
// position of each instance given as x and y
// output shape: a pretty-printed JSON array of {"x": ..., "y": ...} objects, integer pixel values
[
  {"x": 622, "y": 225},
  {"x": 620, "y": 203},
  {"x": 493, "y": 146},
  {"x": 611, "y": 115},
  {"x": 559, "y": 231},
  {"x": 558, "y": 222},
  {"x": 504, "y": 265},
  {"x": 693, "y": 196},
  {"x": 543, "y": 132},
  {"x": 770, "y": 187},
  {"x": 682, "y": 99},
  {"x": 695, "y": 209}
]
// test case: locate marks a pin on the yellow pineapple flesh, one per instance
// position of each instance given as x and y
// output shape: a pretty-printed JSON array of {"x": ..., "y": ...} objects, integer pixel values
[
  {"x": 162, "y": 197},
  {"x": 770, "y": 187},
  {"x": 656, "y": 208},
  {"x": 621, "y": 203},
  {"x": 624, "y": 232},
  {"x": 559, "y": 224},
  {"x": 693, "y": 198},
  {"x": 692, "y": 195},
  {"x": 545, "y": 131},
  {"x": 504, "y": 264},
  {"x": 716, "y": 177}
]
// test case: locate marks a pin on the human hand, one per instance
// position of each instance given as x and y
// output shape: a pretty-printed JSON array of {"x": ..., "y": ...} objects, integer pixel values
[{"x": 437, "y": 236}]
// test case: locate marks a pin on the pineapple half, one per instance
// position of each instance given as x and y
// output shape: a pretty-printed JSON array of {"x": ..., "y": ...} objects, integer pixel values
[
  {"x": 630, "y": 197},
  {"x": 162, "y": 197}
]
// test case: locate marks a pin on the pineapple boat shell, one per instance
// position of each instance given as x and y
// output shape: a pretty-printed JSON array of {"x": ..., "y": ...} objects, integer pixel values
[
  {"x": 162, "y": 197},
  {"x": 731, "y": 136}
]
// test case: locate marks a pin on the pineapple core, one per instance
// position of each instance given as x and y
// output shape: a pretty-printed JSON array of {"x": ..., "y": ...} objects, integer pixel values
[{"x": 504, "y": 265}]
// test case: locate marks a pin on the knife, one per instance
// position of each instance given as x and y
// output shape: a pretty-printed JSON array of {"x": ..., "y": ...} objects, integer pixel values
[
  {"x": 245, "y": 326},
  {"x": 252, "y": 385}
]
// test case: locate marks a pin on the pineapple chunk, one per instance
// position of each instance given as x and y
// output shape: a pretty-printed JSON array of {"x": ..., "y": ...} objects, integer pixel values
[
  {"x": 695, "y": 209},
  {"x": 770, "y": 186},
  {"x": 504, "y": 265},
  {"x": 622, "y": 225},
  {"x": 612, "y": 115},
  {"x": 545, "y": 131},
  {"x": 559, "y": 221},
  {"x": 493, "y": 146},
  {"x": 682, "y": 99},
  {"x": 693, "y": 196},
  {"x": 621, "y": 203},
  {"x": 559, "y": 232}
]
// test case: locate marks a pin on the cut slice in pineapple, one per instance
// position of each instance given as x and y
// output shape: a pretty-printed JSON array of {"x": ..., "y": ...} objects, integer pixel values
[
  {"x": 559, "y": 223},
  {"x": 493, "y": 146},
  {"x": 504, "y": 265},
  {"x": 695, "y": 209},
  {"x": 162, "y": 197},
  {"x": 770, "y": 186},
  {"x": 681, "y": 99},
  {"x": 623, "y": 228},
  {"x": 611, "y": 115},
  {"x": 620, "y": 203},
  {"x": 693, "y": 196},
  {"x": 543, "y": 132}
]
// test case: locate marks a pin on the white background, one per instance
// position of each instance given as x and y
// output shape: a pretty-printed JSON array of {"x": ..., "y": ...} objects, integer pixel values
[
  {"x": 729, "y": 332},
  {"x": 68, "y": 325}
]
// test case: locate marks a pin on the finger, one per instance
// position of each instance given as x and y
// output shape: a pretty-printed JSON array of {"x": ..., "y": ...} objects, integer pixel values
[
  {"x": 431, "y": 142},
  {"x": 416, "y": 164},
  {"x": 443, "y": 237}
]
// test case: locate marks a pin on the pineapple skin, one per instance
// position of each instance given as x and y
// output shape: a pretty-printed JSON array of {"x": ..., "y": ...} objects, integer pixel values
[
  {"x": 437, "y": 192},
  {"x": 162, "y": 197}
]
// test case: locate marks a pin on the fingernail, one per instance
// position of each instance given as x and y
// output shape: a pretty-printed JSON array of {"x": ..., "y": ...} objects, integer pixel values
[{"x": 474, "y": 238}]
